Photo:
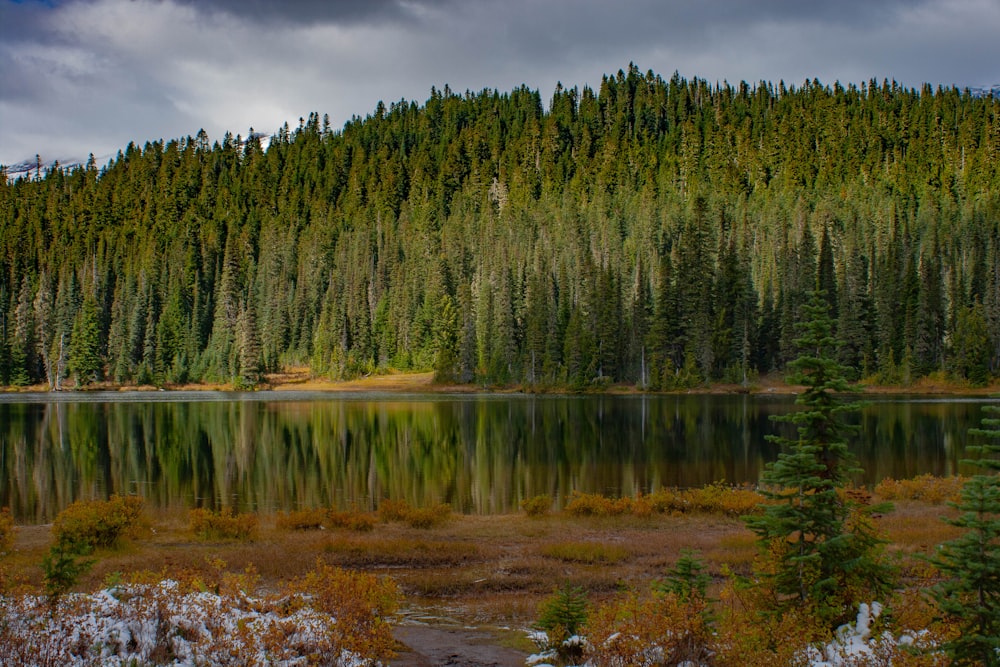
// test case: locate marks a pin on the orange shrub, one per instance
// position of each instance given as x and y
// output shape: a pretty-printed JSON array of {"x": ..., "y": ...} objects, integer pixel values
[
  {"x": 363, "y": 604},
  {"x": 393, "y": 510},
  {"x": 537, "y": 505},
  {"x": 428, "y": 517},
  {"x": 424, "y": 517},
  {"x": 719, "y": 498},
  {"x": 925, "y": 488},
  {"x": 6, "y": 531},
  {"x": 222, "y": 525},
  {"x": 666, "y": 501},
  {"x": 88, "y": 524},
  {"x": 308, "y": 519},
  {"x": 660, "y": 629},
  {"x": 362, "y": 522},
  {"x": 594, "y": 504}
]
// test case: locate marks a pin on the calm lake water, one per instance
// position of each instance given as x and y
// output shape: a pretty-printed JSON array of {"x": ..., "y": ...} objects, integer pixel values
[{"x": 483, "y": 454}]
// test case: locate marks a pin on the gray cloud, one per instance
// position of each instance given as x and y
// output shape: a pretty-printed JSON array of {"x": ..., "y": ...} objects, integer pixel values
[
  {"x": 91, "y": 75},
  {"x": 345, "y": 12}
]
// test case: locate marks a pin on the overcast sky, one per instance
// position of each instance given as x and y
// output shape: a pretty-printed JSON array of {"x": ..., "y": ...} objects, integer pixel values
[{"x": 89, "y": 76}]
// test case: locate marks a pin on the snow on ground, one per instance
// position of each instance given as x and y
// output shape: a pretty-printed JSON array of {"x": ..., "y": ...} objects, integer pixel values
[
  {"x": 157, "y": 624},
  {"x": 853, "y": 646}
]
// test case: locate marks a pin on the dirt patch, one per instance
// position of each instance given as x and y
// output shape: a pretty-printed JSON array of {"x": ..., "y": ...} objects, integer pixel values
[{"x": 427, "y": 646}]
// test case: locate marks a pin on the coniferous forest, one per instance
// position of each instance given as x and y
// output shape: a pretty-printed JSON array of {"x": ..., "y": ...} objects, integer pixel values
[{"x": 659, "y": 233}]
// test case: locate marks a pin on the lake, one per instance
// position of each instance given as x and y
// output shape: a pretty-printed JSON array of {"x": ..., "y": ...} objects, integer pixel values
[{"x": 270, "y": 451}]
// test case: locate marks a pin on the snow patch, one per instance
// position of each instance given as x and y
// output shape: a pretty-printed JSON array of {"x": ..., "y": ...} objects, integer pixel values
[{"x": 157, "y": 624}]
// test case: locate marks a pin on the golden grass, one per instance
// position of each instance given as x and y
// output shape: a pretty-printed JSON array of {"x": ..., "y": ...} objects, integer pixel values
[
  {"x": 494, "y": 568},
  {"x": 925, "y": 488},
  {"x": 592, "y": 553}
]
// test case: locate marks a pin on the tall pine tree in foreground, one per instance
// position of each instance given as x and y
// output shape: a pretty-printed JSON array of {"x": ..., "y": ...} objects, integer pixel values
[
  {"x": 971, "y": 563},
  {"x": 820, "y": 546}
]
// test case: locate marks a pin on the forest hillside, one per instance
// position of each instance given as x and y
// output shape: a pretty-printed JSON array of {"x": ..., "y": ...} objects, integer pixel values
[{"x": 657, "y": 233}]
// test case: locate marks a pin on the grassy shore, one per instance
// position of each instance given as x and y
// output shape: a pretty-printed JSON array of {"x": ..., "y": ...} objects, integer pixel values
[
  {"x": 300, "y": 379},
  {"x": 482, "y": 569}
]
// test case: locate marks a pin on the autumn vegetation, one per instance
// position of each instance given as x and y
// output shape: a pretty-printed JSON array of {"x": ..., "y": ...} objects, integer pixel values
[{"x": 502, "y": 569}]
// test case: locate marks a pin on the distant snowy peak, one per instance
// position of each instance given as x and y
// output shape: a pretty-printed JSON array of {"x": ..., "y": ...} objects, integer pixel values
[
  {"x": 993, "y": 91},
  {"x": 40, "y": 167}
]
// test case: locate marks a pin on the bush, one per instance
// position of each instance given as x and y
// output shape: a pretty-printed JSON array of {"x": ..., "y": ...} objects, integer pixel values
[
  {"x": 425, "y": 517},
  {"x": 393, "y": 510},
  {"x": 61, "y": 570},
  {"x": 562, "y": 615},
  {"x": 594, "y": 504},
  {"x": 363, "y": 604},
  {"x": 222, "y": 525},
  {"x": 537, "y": 505},
  {"x": 925, "y": 488},
  {"x": 6, "y": 531},
  {"x": 361, "y": 522},
  {"x": 660, "y": 630},
  {"x": 428, "y": 517},
  {"x": 90, "y": 524},
  {"x": 720, "y": 498},
  {"x": 717, "y": 498},
  {"x": 308, "y": 519}
]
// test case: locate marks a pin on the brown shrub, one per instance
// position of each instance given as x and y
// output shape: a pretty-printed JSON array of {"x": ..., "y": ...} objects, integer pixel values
[
  {"x": 659, "y": 629},
  {"x": 6, "y": 531},
  {"x": 222, "y": 525},
  {"x": 88, "y": 524},
  {"x": 363, "y": 604},
  {"x": 307, "y": 519},
  {"x": 428, "y": 517},
  {"x": 925, "y": 488},
  {"x": 594, "y": 504},
  {"x": 393, "y": 510},
  {"x": 362, "y": 522},
  {"x": 537, "y": 505}
]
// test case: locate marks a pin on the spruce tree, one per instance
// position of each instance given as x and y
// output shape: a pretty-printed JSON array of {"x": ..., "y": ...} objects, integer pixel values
[
  {"x": 84, "y": 348},
  {"x": 971, "y": 563},
  {"x": 825, "y": 550}
]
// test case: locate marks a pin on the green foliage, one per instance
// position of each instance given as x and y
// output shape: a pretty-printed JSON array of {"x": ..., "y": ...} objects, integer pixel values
[
  {"x": 652, "y": 232},
  {"x": 562, "y": 614},
  {"x": 84, "y": 351},
  {"x": 62, "y": 569},
  {"x": 970, "y": 592},
  {"x": 822, "y": 549},
  {"x": 687, "y": 579}
]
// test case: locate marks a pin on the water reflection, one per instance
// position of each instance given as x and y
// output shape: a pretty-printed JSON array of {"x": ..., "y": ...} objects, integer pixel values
[{"x": 481, "y": 454}]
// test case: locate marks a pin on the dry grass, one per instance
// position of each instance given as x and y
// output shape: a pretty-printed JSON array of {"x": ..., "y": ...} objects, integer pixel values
[
  {"x": 493, "y": 568},
  {"x": 925, "y": 488}
]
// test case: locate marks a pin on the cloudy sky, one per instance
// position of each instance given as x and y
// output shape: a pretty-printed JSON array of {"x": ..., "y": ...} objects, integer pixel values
[{"x": 88, "y": 76}]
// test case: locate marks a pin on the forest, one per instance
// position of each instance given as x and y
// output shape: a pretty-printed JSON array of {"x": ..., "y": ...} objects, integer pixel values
[{"x": 656, "y": 233}]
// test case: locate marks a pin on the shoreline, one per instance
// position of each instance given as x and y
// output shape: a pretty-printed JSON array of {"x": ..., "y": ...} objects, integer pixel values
[{"x": 300, "y": 380}]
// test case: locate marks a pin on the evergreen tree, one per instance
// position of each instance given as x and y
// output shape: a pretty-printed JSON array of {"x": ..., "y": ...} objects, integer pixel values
[
  {"x": 971, "y": 563},
  {"x": 84, "y": 350},
  {"x": 827, "y": 554}
]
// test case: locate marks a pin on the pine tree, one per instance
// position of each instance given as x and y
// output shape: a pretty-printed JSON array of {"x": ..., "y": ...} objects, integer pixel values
[
  {"x": 84, "y": 348},
  {"x": 827, "y": 553},
  {"x": 971, "y": 563}
]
